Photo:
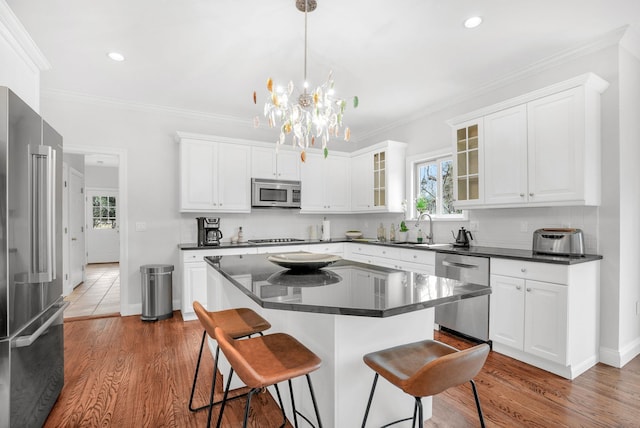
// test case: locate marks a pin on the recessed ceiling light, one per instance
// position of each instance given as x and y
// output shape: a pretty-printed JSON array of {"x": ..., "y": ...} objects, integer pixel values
[
  {"x": 473, "y": 22},
  {"x": 116, "y": 56}
]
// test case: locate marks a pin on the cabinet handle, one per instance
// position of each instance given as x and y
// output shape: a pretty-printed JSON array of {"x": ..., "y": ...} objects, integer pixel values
[
  {"x": 415, "y": 257},
  {"x": 528, "y": 289},
  {"x": 518, "y": 287},
  {"x": 530, "y": 194},
  {"x": 523, "y": 270},
  {"x": 522, "y": 195}
]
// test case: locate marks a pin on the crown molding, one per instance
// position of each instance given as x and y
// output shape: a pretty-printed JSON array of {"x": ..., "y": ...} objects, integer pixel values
[
  {"x": 609, "y": 39},
  {"x": 12, "y": 30}
]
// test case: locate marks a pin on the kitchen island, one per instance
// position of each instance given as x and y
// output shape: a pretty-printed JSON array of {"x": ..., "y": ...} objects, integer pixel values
[{"x": 340, "y": 312}]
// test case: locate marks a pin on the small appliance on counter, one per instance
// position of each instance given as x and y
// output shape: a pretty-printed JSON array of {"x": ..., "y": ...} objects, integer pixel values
[
  {"x": 558, "y": 241},
  {"x": 463, "y": 239},
  {"x": 209, "y": 233}
]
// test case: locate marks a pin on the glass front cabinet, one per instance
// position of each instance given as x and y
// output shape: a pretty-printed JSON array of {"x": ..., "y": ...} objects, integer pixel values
[{"x": 468, "y": 163}]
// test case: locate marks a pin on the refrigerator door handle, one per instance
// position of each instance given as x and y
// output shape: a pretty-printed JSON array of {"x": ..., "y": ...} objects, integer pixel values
[
  {"x": 43, "y": 249},
  {"x": 22, "y": 341}
]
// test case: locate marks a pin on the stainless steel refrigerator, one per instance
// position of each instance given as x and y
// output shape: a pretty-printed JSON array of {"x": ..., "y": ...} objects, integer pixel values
[{"x": 31, "y": 305}]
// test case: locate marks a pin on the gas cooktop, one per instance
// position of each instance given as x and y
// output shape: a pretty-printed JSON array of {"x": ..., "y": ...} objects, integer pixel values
[{"x": 274, "y": 240}]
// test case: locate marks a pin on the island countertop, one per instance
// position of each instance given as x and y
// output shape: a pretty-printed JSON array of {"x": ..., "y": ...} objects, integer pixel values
[{"x": 343, "y": 288}]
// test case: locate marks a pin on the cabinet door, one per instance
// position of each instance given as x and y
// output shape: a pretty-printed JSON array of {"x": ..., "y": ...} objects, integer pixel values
[
  {"x": 234, "y": 178},
  {"x": 546, "y": 321},
  {"x": 468, "y": 163},
  {"x": 194, "y": 287},
  {"x": 197, "y": 177},
  {"x": 505, "y": 155},
  {"x": 263, "y": 162},
  {"x": 556, "y": 147},
  {"x": 506, "y": 320},
  {"x": 361, "y": 183},
  {"x": 312, "y": 175},
  {"x": 337, "y": 184},
  {"x": 288, "y": 167}
]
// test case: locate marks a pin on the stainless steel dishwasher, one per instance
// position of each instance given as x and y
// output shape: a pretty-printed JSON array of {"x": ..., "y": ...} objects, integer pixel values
[{"x": 469, "y": 317}]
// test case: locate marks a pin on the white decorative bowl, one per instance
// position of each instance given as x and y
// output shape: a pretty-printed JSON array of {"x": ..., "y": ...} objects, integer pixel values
[{"x": 353, "y": 234}]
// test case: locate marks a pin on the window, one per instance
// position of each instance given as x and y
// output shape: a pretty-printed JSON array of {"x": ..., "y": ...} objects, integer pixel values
[
  {"x": 432, "y": 178},
  {"x": 104, "y": 212}
]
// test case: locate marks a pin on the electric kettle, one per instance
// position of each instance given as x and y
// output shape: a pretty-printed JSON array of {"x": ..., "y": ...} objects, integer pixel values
[{"x": 463, "y": 238}]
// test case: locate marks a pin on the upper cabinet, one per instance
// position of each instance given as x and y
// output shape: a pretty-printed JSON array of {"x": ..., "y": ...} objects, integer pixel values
[
  {"x": 325, "y": 183},
  {"x": 540, "y": 149},
  {"x": 469, "y": 155},
  {"x": 281, "y": 165},
  {"x": 378, "y": 178},
  {"x": 214, "y": 176}
]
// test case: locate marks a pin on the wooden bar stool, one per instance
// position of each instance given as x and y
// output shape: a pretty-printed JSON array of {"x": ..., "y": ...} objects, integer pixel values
[
  {"x": 241, "y": 322},
  {"x": 268, "y": 360},
  {"x": 426, "y": 368}
]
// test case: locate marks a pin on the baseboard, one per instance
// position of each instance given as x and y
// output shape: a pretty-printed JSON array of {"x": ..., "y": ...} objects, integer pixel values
[{"x": 618, "y": 358}]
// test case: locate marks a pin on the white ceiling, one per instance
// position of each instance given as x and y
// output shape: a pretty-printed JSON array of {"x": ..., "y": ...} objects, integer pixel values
[{"x": 400, "y": 57}]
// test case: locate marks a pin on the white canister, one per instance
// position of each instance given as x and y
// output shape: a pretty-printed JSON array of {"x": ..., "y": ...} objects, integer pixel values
[{"x": 313, "y": 232}]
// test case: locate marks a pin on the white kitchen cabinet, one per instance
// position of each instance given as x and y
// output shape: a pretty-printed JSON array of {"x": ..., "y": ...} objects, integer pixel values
[
  {"x": 505, "y": 155},
  {"x": 214, "y": 177},
  {"x": 336, "y": 248},
  {"x": 419, "y": 261},
  {"x": 192, "y": 276},
  {"x": 283, "y": 164},
  {"x": 378, "y": 178},
  {"x": 539, "y": 149},
  {"x": 325, "y": 184},
  {"x": 545, "y": 314}
]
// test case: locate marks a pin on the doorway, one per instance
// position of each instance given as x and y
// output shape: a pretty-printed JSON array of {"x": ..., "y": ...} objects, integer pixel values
[
  {"x": 105, "y": 245},
  {"x": 76, "y": 228}
]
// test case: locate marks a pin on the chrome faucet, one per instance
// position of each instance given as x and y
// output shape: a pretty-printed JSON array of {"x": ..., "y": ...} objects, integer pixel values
[{"x": 430, "y": 235}]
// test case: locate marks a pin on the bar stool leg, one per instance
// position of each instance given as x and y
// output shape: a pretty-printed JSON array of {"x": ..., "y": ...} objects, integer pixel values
[
  {"x": 224, "y": 401},
  {"x": 313, "y": 399},
  {"x": 373, "y": 388},
  {"x": 293, "y": 405},
  {"x": 475, "y": 395},
  {"x": 420, "y": 416},
  {"x": 284, "y": 416},
  {"x": 248, "y": 406},
  {"x": 195, "y": 376},
  {"x": 415, "y": 413}
]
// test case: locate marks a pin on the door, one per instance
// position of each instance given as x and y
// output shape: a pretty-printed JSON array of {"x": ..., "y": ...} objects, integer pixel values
[
  {"x": 506, "y": 320},
  {"x": 76, "y": 227},
  {"x": 545, "y": 321},
  {"x": 103, "y": 227}
]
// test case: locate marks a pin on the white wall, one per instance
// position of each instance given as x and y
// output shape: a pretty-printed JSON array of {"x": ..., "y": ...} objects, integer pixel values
[
  {"x": 104, "y": 177},
  {"x": 629, "y": 177}
]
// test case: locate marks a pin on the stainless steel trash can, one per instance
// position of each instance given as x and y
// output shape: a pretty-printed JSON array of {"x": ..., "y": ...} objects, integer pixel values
[{"x": 156, "y": 292}]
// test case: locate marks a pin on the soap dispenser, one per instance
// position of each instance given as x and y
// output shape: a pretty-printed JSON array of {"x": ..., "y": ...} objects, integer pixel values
[{"x": 240, "y": 235}]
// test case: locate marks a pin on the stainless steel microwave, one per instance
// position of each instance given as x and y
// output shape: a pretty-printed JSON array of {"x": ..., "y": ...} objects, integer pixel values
[{"x": 275, "y": 193}]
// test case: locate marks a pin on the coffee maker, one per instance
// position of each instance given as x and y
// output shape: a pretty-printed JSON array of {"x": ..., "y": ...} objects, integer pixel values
[{"x": 209, "y": 233}]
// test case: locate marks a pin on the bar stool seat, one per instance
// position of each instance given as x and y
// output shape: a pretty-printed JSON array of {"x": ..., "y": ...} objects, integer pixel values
[
  {"x": 240, "y": 322},
  {"x": 426, "y": 368},
  {"x": 268, "y": 360}
]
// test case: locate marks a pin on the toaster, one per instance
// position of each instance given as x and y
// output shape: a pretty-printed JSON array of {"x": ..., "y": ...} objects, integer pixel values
[{"x": 558, "y": 241}]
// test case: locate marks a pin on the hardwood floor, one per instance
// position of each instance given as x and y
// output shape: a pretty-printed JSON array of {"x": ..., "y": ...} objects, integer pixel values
[{"x": 123, "y": 372}]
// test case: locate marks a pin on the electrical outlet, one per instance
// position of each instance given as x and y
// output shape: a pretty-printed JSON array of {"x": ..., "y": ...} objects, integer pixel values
[
  {"x": 524, "y": 226},
  {"x": 141, "y": 226}
]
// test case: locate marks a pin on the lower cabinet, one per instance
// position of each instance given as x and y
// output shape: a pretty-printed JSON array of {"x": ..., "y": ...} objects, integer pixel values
[{"x": 545, "y": 314}]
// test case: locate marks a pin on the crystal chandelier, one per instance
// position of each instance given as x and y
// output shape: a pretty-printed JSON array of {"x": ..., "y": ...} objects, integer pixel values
[{"x": 312, "y": 114}]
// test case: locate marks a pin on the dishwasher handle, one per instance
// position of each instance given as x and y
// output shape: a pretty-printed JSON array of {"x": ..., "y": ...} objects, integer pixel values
[{"x": 459, "y": 265}]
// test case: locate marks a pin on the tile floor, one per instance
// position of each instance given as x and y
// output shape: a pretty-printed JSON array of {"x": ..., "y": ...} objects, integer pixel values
[{"x": 98, "y": 295}]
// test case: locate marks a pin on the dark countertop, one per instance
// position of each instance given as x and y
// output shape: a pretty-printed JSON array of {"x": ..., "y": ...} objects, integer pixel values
[
  {"x": 504, "y": 253},
  {"x": 344, "y": 288}
]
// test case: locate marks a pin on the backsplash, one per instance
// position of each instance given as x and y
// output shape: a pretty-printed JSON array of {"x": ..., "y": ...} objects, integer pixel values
[{"x": 507, "y": 228}]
